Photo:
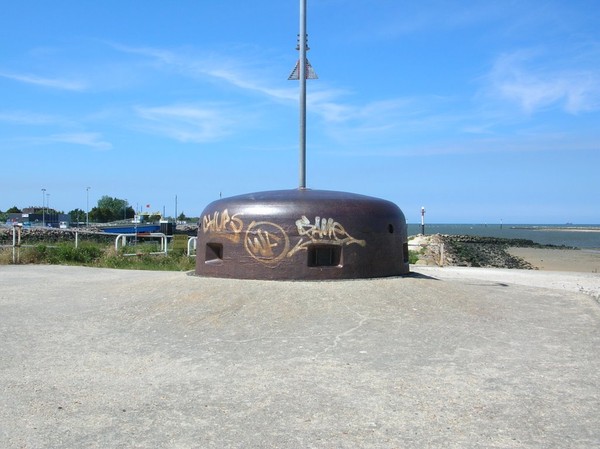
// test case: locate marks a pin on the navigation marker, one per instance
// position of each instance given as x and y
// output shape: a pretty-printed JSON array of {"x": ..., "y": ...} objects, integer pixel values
[{"x": 310, "y": 72}]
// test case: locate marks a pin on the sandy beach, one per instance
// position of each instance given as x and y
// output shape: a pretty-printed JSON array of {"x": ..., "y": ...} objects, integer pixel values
[{"x": 579, "y": 260}]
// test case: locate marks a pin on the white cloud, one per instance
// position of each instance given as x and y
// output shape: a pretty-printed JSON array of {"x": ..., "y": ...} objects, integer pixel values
[
  {"x": 187, "y": 123},
  {"x": 93, "y": 140},
  {"x": 27, "y": 118},
  {"x": 86, "y": 139},
  {"x": 235, "y": 72},
  {"x": 54, "y": 83},
  {"x": 244, "y": 80},
  {"x": 516, "y": 78}
]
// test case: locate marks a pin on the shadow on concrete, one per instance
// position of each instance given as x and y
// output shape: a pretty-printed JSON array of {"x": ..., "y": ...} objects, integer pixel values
[{"x": 415, "y": 275}]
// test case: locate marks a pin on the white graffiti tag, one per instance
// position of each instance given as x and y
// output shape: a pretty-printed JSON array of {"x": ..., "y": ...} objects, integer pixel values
[{"x": 323, "y": 230}]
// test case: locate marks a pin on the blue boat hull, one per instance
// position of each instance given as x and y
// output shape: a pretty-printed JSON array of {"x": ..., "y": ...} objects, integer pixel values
[{"x": 132, "y": 229}]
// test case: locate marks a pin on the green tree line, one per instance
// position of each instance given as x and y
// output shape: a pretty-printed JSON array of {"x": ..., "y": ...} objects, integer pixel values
[{"x": 108, "y": 209}]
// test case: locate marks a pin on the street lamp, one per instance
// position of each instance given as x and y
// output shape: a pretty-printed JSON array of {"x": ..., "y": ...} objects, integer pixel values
[
  {"x": 48, "y": 206},
  {"x": 87, "y": 206},
  {"x": 43, "y": 210}
]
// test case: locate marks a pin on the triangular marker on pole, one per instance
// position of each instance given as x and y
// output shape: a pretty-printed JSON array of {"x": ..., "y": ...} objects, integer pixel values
[{"x": 310, "y": 72}]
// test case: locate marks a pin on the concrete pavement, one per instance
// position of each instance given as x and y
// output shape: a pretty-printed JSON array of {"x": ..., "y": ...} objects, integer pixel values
[{"x": 448, "y": 357}]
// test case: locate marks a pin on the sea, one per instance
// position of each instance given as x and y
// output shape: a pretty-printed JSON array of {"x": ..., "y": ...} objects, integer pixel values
[{"x": 578, "y": 236}]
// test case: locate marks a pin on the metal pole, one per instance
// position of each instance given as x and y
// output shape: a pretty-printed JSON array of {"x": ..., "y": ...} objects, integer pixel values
[
  {"x": 87, "y": 206},
  {"x": 423, "y": 220},
  {"x": 43, "y": 210},
  {"x": 302, "y": 79}
]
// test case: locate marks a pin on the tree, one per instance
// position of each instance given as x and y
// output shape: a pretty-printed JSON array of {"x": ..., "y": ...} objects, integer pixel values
[
  {"x": 114, "y": 205},
  {"x": 13, "y": 210},
  {"x": 77, "y": 215},
  {"x": 100, "y": 215},
  {"x": 111, "y": 209}
]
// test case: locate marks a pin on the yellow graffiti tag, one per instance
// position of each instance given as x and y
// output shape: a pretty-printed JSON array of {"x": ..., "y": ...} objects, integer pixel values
[
  {"x": 221, "y": 223},
  {"x": 323, "y": 230},
  {"x": 266, "y": 242}
]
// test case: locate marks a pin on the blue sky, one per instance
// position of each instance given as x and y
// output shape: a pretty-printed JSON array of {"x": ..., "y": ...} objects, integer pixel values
[{"x": 480, "y": 111}]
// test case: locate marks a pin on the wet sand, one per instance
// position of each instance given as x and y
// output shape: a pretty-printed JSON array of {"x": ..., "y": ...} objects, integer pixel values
[{"x": 580, "y": 260}]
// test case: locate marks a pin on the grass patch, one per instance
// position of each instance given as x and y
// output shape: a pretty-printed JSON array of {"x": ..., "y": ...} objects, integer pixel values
[
  {"x": 413, "y": 256},
  {"x": 101, "y": 256}
]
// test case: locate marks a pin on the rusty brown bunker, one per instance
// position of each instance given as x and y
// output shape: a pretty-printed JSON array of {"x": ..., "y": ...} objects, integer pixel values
[{"x": 302, "y": 234}]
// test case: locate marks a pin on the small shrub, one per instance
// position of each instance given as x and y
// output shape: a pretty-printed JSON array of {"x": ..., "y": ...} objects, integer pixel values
[
  {"x": 6, "y": 256},
  {"x": 101, "y": 255},
  {"x": 413, "y": 257}
]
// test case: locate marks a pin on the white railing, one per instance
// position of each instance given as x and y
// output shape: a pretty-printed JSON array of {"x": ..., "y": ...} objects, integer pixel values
[
  {"x": 123, "y": 239},
  {"x": 191, "y": 246}
]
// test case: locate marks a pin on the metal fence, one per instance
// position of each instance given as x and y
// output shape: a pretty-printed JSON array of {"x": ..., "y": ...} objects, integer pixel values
[{"x": 19, "y": 237}]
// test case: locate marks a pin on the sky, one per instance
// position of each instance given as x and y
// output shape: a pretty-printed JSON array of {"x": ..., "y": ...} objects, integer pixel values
[{"x": 479, "y": 111}]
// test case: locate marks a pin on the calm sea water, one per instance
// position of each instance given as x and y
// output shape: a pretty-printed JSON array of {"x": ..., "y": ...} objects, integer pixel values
[{"x": 569, "y": 235}]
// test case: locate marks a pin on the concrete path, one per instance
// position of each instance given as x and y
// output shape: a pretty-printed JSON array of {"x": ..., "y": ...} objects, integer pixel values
[{"x": 453, "y": 358}]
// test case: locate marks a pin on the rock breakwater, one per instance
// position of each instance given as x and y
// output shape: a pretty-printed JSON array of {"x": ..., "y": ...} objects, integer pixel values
[{"x": 475, "y": 251}]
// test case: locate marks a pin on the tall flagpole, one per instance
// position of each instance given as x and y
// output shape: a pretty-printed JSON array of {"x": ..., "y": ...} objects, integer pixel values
[{"x": 302, "y": 79}]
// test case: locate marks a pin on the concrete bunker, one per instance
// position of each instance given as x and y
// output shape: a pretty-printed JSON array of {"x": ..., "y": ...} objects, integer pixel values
[{"x": 302, "y": 234}]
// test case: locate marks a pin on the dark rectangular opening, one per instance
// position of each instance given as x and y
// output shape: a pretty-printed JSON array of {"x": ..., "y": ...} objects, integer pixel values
[
  {"x": 213, "y": 253},
  {"x": 324, "y": 255}
]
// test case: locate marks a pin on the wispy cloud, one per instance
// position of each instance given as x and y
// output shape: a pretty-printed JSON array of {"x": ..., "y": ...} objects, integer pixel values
[
  {"x": 431, "y": 17},
  {"x": 53, "y": 83},
  {"x": 239, "y": 73},
  {"x": 517, "y": 78},
  {"x": 245, "y": 81},
  {"x": 526, "y": 142},
  {"x": 87, "y": 139},
  {"x": 377, "y": 123},
  {"x": 91, "y": 140},
  {"x": 28, "y": 118},
  {"x": 187, "y": 123},
  {"x": 45, "y": 121}
]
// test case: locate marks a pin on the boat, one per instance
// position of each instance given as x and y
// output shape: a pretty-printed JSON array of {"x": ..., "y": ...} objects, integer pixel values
[
  {"x": 131, "y": 228},
  {"x": 139, "y": 225}
]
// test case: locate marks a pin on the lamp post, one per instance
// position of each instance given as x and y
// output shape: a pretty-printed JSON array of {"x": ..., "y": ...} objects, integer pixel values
[
  {"x": 302, "y": 79},
  {"x": 302, "y": 72},
  {"x": 43, "y": 210},
  {"x": 48, "y": 206},
  {"x": 87, "y": 206}
]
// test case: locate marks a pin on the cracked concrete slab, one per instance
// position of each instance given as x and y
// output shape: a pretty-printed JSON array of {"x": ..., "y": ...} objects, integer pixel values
[{"x": 443, "y": 358}]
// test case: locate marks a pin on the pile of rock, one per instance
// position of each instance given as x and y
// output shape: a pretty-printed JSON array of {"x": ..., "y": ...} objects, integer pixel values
[
  {"x": 188, "y": 229},
  {"x": 469, "y": 251},
  {"x": 39, "y": 235},
  {"x": 473, "y": 251}
]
